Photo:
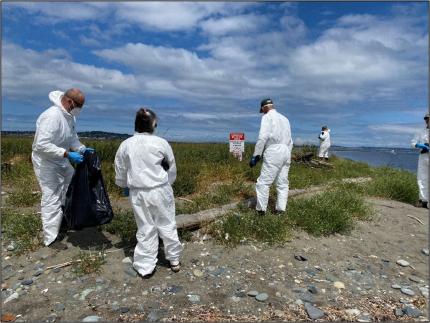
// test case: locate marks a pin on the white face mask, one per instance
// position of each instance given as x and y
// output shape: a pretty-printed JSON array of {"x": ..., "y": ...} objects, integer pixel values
[{"x": 75, "y": 112}]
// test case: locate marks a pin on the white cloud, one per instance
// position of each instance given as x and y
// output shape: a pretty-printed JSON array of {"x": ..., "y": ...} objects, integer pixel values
[
  {"x": 26, "y": 73},
  {"x": 172, "y": 16},
  {"x": 49, "y": 13},
  {"x": 234, "y": 24}
]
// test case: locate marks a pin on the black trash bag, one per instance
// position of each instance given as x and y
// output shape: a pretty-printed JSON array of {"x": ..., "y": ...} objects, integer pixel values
[{"x": 87, "y": 202}]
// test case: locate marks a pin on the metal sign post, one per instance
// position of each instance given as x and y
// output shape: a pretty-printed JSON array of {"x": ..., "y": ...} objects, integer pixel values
[{"x": 237, "y": 144}]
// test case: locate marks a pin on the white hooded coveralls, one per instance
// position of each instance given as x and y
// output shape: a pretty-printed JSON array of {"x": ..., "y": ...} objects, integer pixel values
[
  {"x": 423, "y": 165},
  {"x": 138, "y": 167},
  {"x": 324, "y": 143},
  {"x": 55, "y": 134},
  {"x": 275, "y": 139}
]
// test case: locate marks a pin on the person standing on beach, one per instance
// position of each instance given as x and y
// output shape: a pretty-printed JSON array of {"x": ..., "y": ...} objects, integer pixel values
[
  {"x": 421, "y": 141},
  {"x": 55, "y": 146},
  {"x": 146, "y": 165},
  {"x": 276, "y": 142},
  {"x": 325, "y": 143}
]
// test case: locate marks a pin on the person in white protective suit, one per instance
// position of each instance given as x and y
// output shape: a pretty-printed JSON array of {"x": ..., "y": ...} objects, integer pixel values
[
  {"x": 55, "y": 146},
  {"x": 325, "y": 143},
  {"x": 146, "y": 165},
  {"x": 421, "y": 141},
  {"x": 276, "y": 142}
]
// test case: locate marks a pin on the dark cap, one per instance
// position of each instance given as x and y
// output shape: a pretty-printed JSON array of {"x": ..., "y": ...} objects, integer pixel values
[{"x": 265, "y": 102}]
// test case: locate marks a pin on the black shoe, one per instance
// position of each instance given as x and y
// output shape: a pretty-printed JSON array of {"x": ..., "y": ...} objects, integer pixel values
[
  {"x": 279, "y": 212},
  {"x": 175, "y": 268},
  {"x": 424, "y": 204},
  {"x": 261, "y": 213},
  {"x": 147, "y": 276},
  {"x": 57, "y": 245}
]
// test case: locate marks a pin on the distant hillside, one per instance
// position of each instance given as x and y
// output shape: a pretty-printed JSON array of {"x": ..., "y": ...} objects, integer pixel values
[{"x": 85, "y": 134}]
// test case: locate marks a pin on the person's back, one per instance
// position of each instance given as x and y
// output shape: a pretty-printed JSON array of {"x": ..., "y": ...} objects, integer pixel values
[
  {"x": 281, "y": 130},
  {"x": 145, "y": 164},
  {"x": 144, "y": 154}
]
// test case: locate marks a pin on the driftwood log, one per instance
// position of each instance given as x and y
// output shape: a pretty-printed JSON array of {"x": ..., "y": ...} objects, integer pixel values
[{"x": 195, "y": 220}]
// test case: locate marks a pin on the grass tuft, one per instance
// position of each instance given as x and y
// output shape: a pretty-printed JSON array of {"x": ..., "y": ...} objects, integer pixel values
[
  {"x": 243, "y": 224},
  {"x": 85, "y": 263},
  {"x": 328, "y": 213}
]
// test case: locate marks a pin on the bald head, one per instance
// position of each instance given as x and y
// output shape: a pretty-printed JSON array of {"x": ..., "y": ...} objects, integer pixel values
[{"x": 76, "y": 95}]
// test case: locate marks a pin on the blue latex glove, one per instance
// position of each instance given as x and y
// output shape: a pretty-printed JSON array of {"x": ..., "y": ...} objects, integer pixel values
[
  {"x": 75, "y": 157},
  {"x": 254, "y": 160},
  {"x": 91, "y": 150},
  {"x": 421, "y": 146}
]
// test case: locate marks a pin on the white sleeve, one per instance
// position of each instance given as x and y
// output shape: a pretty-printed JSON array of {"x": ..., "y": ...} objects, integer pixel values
[
  {"x": 47, "y": 129},
  {"x": 172, "y": 164},
  {"x": 323, "y": 135},
  {"x": 263, "y": 136},
  {"x": 120, "y": 167}
]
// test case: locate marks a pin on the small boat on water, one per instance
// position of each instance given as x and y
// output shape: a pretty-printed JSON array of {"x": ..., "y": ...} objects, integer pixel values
[{"x": 393, "y": 151}]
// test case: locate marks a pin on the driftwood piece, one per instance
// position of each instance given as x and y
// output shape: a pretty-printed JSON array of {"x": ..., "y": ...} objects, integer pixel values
[
  {"x": 413, "y": 217},
  {"x": 195, "y": 220}
]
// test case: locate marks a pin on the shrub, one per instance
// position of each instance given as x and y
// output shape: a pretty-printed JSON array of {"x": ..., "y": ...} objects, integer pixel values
[{"x": 85, "y": 263}]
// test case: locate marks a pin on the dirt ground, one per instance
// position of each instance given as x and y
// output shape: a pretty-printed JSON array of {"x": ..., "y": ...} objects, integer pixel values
[{"x": 347, "y": 277}]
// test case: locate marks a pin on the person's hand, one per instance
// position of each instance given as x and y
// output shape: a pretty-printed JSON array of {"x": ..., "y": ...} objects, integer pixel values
[
  {"x": 75, "y": 157},
  {"x": 254, "y": 160},
  {"x": 165, "y": 164}
]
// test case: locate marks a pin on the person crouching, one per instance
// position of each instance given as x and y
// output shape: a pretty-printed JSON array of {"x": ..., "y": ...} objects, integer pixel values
[{"x": 146, "y": 165}]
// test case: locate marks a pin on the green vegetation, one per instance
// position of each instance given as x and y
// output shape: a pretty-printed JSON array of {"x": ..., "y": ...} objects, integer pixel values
[
  {"x": 87, "y": 262},
  {"x": 23, "y": 229},
  {"x": 123, "y": 225},
  {"x": 209, "y": 176},
  {"x": 329, "y": 212},
  {"x": 244, "y": 224}
]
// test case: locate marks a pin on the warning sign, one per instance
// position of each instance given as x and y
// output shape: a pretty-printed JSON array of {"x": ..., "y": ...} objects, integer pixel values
[{"x": 237, "y": 144}]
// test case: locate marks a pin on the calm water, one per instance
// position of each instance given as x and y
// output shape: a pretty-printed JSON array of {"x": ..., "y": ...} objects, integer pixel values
[{"x": 406, "y": 159}]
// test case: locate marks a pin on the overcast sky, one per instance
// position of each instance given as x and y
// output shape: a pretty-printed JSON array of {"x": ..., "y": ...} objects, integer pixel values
[{"x": 360, "y": 68}]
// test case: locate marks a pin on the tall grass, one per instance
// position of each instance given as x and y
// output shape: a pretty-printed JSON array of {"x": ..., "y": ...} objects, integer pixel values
[
  {"x": 327, "y": 213},
  {"x": 394, "y": 184}
]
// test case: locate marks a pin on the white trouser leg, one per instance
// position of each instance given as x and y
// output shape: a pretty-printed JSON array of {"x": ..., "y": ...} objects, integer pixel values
[
  {"x": 423, "y": 176},
  {"x": 266, "y": 178},
  {"x": 53, "y": 184},
  {"x": 323, "y": 152},
  {"x": 154, "y": 212},
  {"x": 166, "y": 223},
  {"x": 145, "y": 252},
  {"x": 282, "y": 187}
]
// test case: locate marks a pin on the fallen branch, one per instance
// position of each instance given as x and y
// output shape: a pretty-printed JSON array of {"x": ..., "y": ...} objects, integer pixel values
[
  {"x": 185, "y": 199},
  {"x": 412, "y": 217},
  {"x": 188, "y": 221},
  {"x": 63, "y": 264}
]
